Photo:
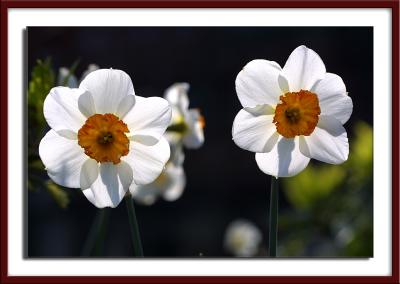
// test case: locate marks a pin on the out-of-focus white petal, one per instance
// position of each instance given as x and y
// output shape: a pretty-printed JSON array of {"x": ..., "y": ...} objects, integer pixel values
[
  {"x": 107, "y": 190},
  {"x": 328, "y": 142},
  {"x": 108, "y": 87},
  {"x": 176, "y": 183},
  {"x": 333, "y": 98},
  {"x": 303, "y": 68},
  {"x": 254, "y": 131},
  {"x": 242, "y": 238},
  {"x": 86, "y": 104},
  {"x": 61, "y": 109},
  {"x": 284, "y": 160},
  {"x": 194, "y": 138},
  {"x": 63, "y": 159},
  {"x": 177, "y": 155},
  {"x": 89, "y": 173},
  {"x": 176, "y": 95},
  {"x": 149, "y": 116},
  {"x": 90, "y": 69},
  {"x": 65, "y": 78},
  {"x": 144, "y": 194},
  {"x": 147, "y": 162},
  {"x": 257, "y": 83}
]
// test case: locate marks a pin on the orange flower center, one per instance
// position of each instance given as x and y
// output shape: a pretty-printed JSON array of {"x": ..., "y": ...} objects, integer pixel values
[
  {"x": 297, "y": 114},
  {"x": 103, "y": 138}
]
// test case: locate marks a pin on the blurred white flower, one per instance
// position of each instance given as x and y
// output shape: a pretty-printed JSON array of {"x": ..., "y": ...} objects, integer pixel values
[
  {"x": 103, "y": 137},
  {"x": 186, "y": 124},
  {"x": 242, "y": 238},
  {"x": 169, "y": 185},
  {"x": 292, "y": 114},
  {"x": 66, "y": 78}
]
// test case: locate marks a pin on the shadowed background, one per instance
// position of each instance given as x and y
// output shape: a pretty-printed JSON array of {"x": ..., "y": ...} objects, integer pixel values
[{"x": 223, "y": 181}]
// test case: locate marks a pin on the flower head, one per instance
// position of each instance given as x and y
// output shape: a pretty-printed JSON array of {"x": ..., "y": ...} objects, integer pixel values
[
  {"x": 292, "y": 114},
  {"x": 186, "y": 124},
  {"x": 242, "y": 238},
  {"x": 103, "y": 137}
]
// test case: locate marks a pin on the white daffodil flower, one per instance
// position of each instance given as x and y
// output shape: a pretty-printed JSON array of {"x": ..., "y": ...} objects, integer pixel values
[
  {"x": 186, "y": 124},
  {"x": 169, "y": 185},
  {"x": 72, "y": 81},
  {"x": 242, "y": 238},
  {"x": 292, "y": 114},
  {"x": 103, "y": 137}
]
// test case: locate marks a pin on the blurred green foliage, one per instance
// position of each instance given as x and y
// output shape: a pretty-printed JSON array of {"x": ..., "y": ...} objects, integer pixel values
[
  {"x": 42, "y": 79},
  {"x": 331, "y": 211}
]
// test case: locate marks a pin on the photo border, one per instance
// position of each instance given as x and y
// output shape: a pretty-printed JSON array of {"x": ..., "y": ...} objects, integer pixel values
[{"x": 7, "y": 4}]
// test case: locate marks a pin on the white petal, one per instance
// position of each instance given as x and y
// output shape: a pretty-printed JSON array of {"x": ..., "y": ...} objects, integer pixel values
[
  {"x": 254, "y": 131},
  {"x": 144, "y": 139},
  {"x": 125, "y": 174},
  {"x": 303, "y": 68},
  {"x": 108, "y": 87},
  {"x": 177, "y": 183},
  {"x": 147, "y": 162},
  {"x": 61, "y": 109},
  {"x": 149, "y": 116},
  {"x": 125, "y": 106},
  {"x": 69, "y": 134},
  {"x": 258, "y": 83},
  {"x": 333, "y": 98},
  {"x": 86, "y": 104},
  {"x": 284, "y": 160},
  {"x": 89, "y": 173},
  {"x": 63, "y": 159},
  {"x": 194, "y": 138},
  {"x": 176, "y": 95},
  {"x": 328, "y": 142},
  {"x": 107, "y": 190}
]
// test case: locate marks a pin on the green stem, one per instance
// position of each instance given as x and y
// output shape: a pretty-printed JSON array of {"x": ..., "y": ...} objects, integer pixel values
[
  {"x": 94, "y": 243},
  {"x": 273, "y": 217},
  {"x": 137, "y": 244}
]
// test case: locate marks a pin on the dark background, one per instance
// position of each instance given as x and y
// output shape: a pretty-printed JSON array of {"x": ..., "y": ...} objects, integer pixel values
[{"x": 223, "y": 181}]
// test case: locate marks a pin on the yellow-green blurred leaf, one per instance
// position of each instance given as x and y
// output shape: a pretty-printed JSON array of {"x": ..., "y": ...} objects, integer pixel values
[
  {"x": 58, "y": 194},
  {"x": 313, "y": 184},
  {"x": 42, "y": 80}
]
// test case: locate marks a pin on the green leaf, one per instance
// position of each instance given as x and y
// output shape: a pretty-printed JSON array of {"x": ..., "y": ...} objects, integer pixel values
[
  {"x": 58, "y": 194},
  {"x": 42, "y": 80}
]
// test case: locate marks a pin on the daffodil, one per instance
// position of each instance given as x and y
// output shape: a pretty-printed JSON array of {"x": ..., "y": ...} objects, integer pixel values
[
  {"x": 169, "y": 185},
  {"x": 292, "y": 114},
  {"x": 186, "y": 124},
  {"x": 242, "y": 238},
  {"x": 103, "y": 137}
]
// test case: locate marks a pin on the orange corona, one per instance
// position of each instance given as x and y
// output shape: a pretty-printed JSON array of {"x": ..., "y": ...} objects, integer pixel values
[
  {"x": 103, "y": 138},
  {"x": 297, "y": 114}
]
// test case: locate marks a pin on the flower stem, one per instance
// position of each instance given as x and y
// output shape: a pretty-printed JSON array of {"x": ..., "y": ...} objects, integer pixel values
[
  {"x": 273, "y": 217},
  {"x": 137, "y": 244},
  {"x": 95, "y": 240}
]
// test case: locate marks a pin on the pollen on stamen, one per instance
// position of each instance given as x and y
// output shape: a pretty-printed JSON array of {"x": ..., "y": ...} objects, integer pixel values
[
  {"x": 297, "y": 114},
  {"x": 103, "y": 138}
]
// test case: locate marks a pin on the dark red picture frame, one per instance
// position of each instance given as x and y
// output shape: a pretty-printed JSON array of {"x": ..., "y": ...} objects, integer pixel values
[{"x": 391, "y": 4}]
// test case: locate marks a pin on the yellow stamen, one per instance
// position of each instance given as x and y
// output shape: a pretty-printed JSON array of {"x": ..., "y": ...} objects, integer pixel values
[
  {"x": 297, "y": 114},
  {"x": 103, "y": 138}
]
